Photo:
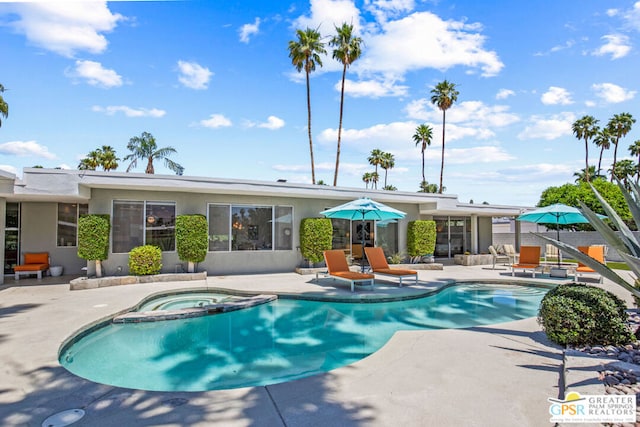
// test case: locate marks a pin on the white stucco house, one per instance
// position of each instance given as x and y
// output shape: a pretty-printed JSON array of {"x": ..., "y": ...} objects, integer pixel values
[{"x": 253, "y": 225}]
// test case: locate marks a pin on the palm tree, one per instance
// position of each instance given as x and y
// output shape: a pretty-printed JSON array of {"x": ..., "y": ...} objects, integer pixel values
[
  {"x": 634, "y": 149},
  {"x": 305, "y": 54},
  {"x": 108, "y": 159},
  {"x": 423, "y": 136},
  {"x": 4, "y": 107},
  {"x": 90, "y": 162},
  {"x": 584, "y": 176},
  {"x": 388, "y": 162},
  {"x": 619, "y": 125},
  {"x": 586, "y": 128},
  {"x": 425, "y": 187},
  {"x": 367, "y": 178},
  {"x": 145, "y": 147},
  {"x": 390, "y": 188},
  {"x": 602, "y": 140},
  {"x": 375, "y": 158},
  {"x": 444, "y": 95},
  {"x": 347, "y": 51},
  {"x": 623, "y": 170}
]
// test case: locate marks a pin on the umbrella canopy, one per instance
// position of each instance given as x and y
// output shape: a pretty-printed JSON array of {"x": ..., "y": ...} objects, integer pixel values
[
  {"x": 558, "y": 214},
  {"x": 363, "y": 209}
]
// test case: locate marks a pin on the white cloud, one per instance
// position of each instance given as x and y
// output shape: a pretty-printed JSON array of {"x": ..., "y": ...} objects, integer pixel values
[
  {"x": 395, "y": 46},
  {"x": 617, "y": 45},
  {"x": 216, "y": 121},
  {"x": 128, "y": 111},
  {"x": 325, "y": 14},
  {"x": 424, "y": 40},
  {"x": 272, "y": 123},
  {"x": 66, "y": 27},
  {"x": 470, "y": 113},
  {"x": 612, "y": 93},
  {"x": 372, "y": 88},
  {"x": 248, "y": 30},
  {"x": 556, "y": 96},
  {"x": 475, "y": 155},
  {"x": 504, "y": 93},
  {"x": 632, "y": 16},
  {"x": 194, "y": 75},
  {"x": 95, "y": 74},
  {"x": 550, "y": 128},
  {"x": 26, "y": 148}
]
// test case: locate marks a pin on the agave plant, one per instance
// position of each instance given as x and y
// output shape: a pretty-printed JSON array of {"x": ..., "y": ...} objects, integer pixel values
[{"x": 622, "y": 241}]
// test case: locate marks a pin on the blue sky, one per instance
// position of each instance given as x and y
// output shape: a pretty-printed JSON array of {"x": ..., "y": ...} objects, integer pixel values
[{"x": 214, "y": 81}]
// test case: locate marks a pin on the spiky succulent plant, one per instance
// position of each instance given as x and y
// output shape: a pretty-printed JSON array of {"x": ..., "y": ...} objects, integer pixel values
[{"x": 623, "y": 241}]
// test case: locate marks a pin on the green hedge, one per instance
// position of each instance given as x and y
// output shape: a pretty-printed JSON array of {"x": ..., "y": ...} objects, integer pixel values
[
  {"x": 575, "y": 314},
  {"x": 192, "y": 237},
  {"x": 145, "y": 260},
  {"x": 316, "y": 235},
  {"x": 421, "y": 237},
  {"x": 93, "y": 237}
]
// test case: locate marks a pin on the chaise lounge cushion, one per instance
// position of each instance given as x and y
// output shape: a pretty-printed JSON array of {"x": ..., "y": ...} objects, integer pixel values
[{"x": 38, "y": 261}]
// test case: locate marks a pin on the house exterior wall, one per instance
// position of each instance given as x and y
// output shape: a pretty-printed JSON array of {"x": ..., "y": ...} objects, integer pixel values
[
  {"x": 233, "y": 262},
  {"x": 38, "y": 233}
]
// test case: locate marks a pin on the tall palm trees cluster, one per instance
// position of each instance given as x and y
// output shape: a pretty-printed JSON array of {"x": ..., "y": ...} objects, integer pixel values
[
  {"x": 143, "y": 147},
  {"x": 305, "y": 53},
  {"x": 586, "y": 128},
  {"x": 386, "y": 161}
]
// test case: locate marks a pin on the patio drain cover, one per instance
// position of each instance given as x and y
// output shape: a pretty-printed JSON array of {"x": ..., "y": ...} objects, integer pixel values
[{"x": 64, "y": 418}]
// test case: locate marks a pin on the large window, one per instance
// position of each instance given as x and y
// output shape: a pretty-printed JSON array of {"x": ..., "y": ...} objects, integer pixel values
[
  {"x": 137, "y": 223},
  {"x": 387, "y": 236},
  {"x": 68, "y": 214},
  {"x": 250, "y": 228}
]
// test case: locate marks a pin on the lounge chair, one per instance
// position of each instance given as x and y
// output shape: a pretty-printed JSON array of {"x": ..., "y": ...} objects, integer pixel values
[
  {"x": 529, "y": 260},
  {"x": 510, "y": 251},
  {"x": 595, "y": 252},
  {"x": 34, "y": 263},
  {"x": 337, "y": 268},
  {"x": 551, "y": 253},
  {"x": 379, "y": 265},
  {"x": 498, "y": 257}
]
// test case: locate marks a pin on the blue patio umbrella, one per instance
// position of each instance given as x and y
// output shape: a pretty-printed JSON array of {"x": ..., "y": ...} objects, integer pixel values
[
  {"x": 363, "y": 209},
  {"x": 558, "y": 214}
]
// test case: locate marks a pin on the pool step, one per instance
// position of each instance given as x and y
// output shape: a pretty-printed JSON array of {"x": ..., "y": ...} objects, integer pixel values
[{"x": 185, "y": 313}]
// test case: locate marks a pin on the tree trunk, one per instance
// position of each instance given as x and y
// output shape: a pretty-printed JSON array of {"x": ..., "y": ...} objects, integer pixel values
[
  {"x": 442, "y": 162},
  {"x": 98, "y": 268},
  {"x": 191, "y": 267},
  {"x": 586, "y": 159},
  {"x": 423, "y": 179},
  {"x": 335, "y": 175},
  {"x": 313, "y": 171}
]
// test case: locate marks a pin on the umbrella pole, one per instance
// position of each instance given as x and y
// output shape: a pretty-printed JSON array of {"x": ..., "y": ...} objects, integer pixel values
[
  {"x": 362, "y": 234},
  {"x": 558, "y": 239}
]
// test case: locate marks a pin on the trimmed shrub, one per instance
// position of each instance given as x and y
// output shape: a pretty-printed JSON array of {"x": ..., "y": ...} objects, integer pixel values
[
  {"x": 575, "y": 314},
  {"x": 421, "y": 237},
  {"x": 145, "y": 260},
  {"x": 93, "y": 237},
  {"x": 316, "y": 235},
  {"x": 192, "y": 237}
]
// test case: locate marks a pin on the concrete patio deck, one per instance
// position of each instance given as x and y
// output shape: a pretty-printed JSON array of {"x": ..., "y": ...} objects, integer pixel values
[{"x": 498, "y": 375}]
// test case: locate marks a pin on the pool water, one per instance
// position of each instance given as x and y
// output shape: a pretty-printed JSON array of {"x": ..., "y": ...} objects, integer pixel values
[{"x": 279, "y": 341}]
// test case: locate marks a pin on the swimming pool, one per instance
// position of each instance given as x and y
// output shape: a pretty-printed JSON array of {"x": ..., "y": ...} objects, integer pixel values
[{"x": 279, "y": 341}]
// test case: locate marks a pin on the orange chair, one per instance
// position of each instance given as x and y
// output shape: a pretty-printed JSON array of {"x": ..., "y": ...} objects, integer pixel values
[
  {"x": 379, "y": 265},
  {"x": 337, "y": 268},
  {"x": 34, "y": 263},
  {"x": 529, "y": 260},
  {"x": 595, "y": 252}
]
